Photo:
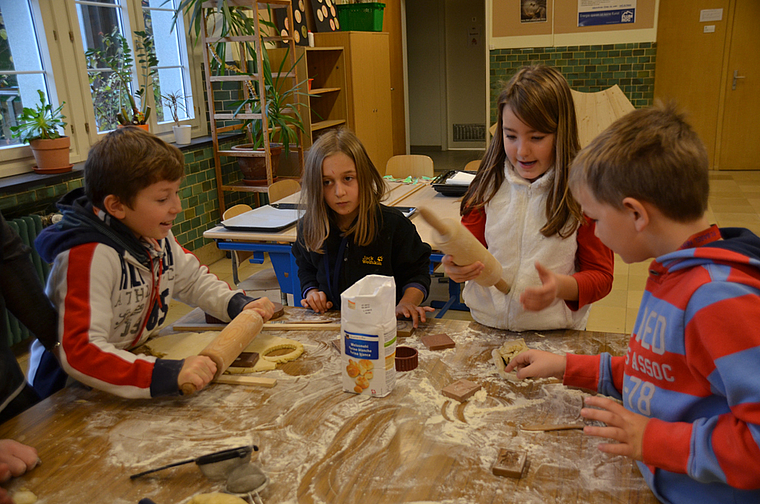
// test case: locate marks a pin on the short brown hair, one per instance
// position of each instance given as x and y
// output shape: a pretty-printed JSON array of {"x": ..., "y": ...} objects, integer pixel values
[
  {"x": 652, "y": 155},
  {"x": 315, "y": 224},
  {"x": 128, "y": 160}
]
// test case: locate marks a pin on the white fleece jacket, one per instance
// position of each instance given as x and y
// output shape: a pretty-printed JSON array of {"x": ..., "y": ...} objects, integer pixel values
[{"x": 514, "y": 218}]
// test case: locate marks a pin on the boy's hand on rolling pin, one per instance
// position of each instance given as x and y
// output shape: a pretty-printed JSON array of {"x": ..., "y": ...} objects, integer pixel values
[
  {"x": 625, "y": 427},
  {"x": 198, "y": 370},
  {"x": 537, "y": 364},
  {"x": 16, "y": 459},
  {"x": 263, "y": 306},
  {"x": 317, "y": 301},
  {"x": 407, "y": 309},
  {"x": 461, "y": 273}
]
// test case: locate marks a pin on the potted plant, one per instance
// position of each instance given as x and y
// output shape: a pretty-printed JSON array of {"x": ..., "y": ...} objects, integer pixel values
[
  {"x": 284, "y": 120},
  {"x": 116, "y": 54},
  {"x": 41, "y": 128},
  {"x": 175, "y": 102}
]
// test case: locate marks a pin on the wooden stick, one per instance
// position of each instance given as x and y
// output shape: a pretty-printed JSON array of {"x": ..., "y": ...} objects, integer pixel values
[
  {"x": 402, "y": 198},
  {"x": 327, "y": 325},
  {"x": 246, "y": 380},
  {"x": 551, "y": 427}
]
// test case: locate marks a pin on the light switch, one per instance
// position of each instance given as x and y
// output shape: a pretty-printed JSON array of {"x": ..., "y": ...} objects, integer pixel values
[{"x": 709, "y": 29}]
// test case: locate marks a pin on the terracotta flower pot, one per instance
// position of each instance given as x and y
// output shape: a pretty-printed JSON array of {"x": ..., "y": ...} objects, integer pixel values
[
  {"x": 254, "y": 169},
  {"x": 52, "y": 156}
]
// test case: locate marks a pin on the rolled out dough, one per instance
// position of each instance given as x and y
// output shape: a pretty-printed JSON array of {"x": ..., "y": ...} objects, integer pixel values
[
  {"x": 182, "y": 345},
  {"x": 508, "y": 351},
  {"x": 24, "y": 496}
]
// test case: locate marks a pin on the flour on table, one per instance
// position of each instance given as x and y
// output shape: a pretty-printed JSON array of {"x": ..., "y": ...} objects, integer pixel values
[
  {"x": 508, "y": 351},
  {"x": 183, "y": 345}
]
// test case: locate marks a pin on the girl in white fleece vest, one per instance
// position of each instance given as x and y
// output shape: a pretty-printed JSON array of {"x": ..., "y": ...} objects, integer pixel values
[{"x": 520, "y": 208}]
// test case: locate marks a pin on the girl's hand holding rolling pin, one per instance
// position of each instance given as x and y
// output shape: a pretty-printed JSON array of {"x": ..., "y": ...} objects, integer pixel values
[{"x": 461, "y": 273}]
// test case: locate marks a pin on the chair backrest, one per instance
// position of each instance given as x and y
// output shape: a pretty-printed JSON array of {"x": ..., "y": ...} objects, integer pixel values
[
  {"x": 282, "y": 189},
  {"x": 596, "y": 111},
  {"x": 411, "y": 164},
  {"x": 472, "y": 165},
  {"x": 236, "y": 210}
]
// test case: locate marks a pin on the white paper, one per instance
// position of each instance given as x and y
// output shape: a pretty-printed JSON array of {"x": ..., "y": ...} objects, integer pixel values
[{"x": 460, "y": 178}]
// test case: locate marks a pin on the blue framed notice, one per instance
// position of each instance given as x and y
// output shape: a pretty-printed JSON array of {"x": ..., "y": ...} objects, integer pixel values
[{"x": 606, "y": 12}]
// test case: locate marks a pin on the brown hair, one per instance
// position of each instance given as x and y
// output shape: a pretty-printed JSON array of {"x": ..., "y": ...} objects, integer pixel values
[
  {"x": 541, "y": 98},
  {"x": 315, "y": 223},
  {"x": 652, "y": 155},
  {"x": 126, "y": 161}
]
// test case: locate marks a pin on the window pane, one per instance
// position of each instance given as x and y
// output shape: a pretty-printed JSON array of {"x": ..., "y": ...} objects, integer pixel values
[
  {"x": 21, "y": 70},
  {"x": 173, "y": 74},
  {"x": 108, "y": 69}
]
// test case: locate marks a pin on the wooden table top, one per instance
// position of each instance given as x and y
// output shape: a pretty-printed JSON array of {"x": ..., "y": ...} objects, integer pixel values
[{"x": 319, "y": 444}]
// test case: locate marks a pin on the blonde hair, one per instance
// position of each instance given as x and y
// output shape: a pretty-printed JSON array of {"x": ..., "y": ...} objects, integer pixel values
[
  {"x": 540, "y": 97},
  {"x": 315, "y": 223},
  {"x": 652, "y": 155}
]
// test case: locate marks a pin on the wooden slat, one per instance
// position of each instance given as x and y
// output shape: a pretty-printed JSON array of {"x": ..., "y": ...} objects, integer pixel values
[
  {"x": 319, "y": 125},
  {"x": 231, "y": 116},
  {"x": 246, "y": 380}
]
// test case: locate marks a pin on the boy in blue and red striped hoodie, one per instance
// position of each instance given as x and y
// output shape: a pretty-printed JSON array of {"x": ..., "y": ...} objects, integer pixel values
[{"x": 689, "y": 382}]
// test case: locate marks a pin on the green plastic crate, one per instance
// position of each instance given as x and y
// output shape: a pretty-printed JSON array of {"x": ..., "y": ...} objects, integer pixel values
[{"x": 361, "y": 17}]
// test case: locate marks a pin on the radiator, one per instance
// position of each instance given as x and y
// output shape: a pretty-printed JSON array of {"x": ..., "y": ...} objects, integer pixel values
[
  {"x": 27, "y": 228},
  {"x": 469, "y": 132}
]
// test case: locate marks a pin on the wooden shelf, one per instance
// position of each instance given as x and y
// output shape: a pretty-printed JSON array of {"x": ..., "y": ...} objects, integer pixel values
[
  {"x": 315, "y": 92},
  {"x": 245, "y": 188},
  {"x": 320, "y": 125}
]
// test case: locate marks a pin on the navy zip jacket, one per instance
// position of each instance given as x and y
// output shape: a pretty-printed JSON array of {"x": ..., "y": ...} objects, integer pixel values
[{"x": 396, "y": 251}]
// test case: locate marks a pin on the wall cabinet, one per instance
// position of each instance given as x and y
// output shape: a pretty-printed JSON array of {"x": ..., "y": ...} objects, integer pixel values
[{"x": 368, "y": 89}]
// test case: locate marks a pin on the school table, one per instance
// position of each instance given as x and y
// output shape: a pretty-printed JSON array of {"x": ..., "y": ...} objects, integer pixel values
[
  {"x": 277, "y": 244},
  {"x": 319, "y": 444}
]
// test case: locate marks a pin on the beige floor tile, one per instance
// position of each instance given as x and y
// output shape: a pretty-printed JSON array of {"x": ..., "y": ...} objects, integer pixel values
[
  {"x": 620, "y": 282},
  {"x": 616, "y": 298},
  {"x": 606, "y": 319},
  {"x": 620, "y": 266},
  {"x": 639, "y": 268},
  {"x": 633, "y": 299},
  {"x": 630, "y": 319},
  {"x": 637, "y": 282}
]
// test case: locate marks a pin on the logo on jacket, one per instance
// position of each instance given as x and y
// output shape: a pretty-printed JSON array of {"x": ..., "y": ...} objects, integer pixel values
[{"x": 371, "y": 260}]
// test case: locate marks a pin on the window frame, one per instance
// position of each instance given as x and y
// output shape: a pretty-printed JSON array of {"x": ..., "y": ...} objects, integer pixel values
[{"x": 66, "y": 72}]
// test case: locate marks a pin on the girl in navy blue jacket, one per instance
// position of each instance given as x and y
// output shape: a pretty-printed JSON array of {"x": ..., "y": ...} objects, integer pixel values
[{"x": 345, "y": 233}]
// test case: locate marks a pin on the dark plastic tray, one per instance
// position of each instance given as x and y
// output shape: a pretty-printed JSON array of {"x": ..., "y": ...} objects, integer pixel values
[{"x": 439, "y": 184}]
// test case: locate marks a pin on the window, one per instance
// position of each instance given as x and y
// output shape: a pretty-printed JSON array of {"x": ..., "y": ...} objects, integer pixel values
[{"x": 73, "y": 49}]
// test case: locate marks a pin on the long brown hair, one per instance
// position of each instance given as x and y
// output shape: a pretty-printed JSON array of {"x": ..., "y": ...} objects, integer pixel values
[
  {"x": 315, "y": 223},
  {"x": 540, "y": 97}
]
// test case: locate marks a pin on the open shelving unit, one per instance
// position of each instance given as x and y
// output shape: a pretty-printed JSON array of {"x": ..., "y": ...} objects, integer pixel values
[{"x": 225, "y": 122}]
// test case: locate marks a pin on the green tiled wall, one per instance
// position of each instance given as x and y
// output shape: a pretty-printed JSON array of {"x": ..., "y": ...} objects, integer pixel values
[{"x": 586, "y": 68}]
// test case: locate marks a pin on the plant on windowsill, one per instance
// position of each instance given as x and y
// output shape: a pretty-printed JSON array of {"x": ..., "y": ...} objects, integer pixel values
[
  {"x": 284, "y": 119},
  {"x": 175, "y": 102},
  {"x": 41, "y": 128},
  {"x": 116, "y": 55}
]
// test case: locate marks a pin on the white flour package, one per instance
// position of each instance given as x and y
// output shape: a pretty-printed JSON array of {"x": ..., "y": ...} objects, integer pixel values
[{"x": 368, "y": 336}]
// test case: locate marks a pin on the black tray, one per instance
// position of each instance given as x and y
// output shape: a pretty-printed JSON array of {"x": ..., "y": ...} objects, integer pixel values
[{"x": 440, "y": 185}]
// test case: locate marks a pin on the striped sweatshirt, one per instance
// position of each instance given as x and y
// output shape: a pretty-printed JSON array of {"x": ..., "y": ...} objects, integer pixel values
[{"x": 693, "y": 367}]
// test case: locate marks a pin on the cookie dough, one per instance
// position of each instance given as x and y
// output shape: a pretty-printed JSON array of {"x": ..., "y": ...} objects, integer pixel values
[
  {"x": 508, "y": 351},
  {"x": 182, "y": 345},
  {"x": 24, "y": 496}
]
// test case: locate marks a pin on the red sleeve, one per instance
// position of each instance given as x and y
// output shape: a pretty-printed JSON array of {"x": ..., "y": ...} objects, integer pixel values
[
  {"x": 595, "y": 267},
  {"x": 475, "y": 221}
]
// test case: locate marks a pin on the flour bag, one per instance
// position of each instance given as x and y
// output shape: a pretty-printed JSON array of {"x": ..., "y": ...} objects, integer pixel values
[{"x": 368, "y": 336}]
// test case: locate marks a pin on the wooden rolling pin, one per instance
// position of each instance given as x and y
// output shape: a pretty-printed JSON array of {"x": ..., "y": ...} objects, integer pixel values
[
  {"x": 456, "y": 240},
  {"x": 230, "y": 343}
]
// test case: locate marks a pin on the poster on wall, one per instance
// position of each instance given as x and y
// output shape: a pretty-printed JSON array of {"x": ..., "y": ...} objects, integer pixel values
[
  {"x": 299, "y": 21},
  {"x": 532, "y": 11},
  {"x": 325, "y": 15},
  {"x": 606, "y": 12}
]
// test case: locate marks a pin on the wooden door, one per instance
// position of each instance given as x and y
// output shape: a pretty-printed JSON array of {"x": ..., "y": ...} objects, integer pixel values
[
  {"x": 739, "y": 139},
  {"x": 690, "y": 62},
  {"x": 392, "y": 25}
]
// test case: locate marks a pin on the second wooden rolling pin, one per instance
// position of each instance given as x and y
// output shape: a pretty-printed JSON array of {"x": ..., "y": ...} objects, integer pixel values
[
  {"x": 230, "y": 343},
  {"x": 456, "y": 240}
]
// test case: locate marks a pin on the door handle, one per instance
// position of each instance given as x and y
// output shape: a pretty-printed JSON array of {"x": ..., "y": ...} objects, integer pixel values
[{"x": 736, "y": 76}]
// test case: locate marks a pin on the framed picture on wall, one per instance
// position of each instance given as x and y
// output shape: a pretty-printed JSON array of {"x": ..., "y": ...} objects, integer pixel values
[{"x": 532, "y": 11}]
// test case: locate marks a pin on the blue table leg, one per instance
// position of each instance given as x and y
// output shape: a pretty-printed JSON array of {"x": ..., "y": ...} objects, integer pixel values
[{"x": 454, "y": 292}]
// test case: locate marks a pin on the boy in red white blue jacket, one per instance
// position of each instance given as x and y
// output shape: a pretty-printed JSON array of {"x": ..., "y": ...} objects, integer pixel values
[
  {"x": 689, "y": 382},
  {"x": 116, "y": 266}
]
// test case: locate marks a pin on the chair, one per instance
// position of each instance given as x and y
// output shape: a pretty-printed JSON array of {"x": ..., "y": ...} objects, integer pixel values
[
  {"x": 596, "y": 111},
  {"x": 472, "y": 165},
  {"x": 410, "y": 165},
  {"x": 282, "y": 189},
  {"x": 263, "y": 280}
]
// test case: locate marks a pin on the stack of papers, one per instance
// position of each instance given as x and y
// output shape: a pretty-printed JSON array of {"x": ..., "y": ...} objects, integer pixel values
[{"x": 461, "y": 179}]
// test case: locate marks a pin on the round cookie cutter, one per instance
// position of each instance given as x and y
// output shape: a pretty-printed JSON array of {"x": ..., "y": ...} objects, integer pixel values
[{"x": 407, "y": 358}]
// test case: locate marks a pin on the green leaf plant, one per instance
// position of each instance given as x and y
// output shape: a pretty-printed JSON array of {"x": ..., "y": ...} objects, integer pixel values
[{"x": 41, "y": 122}]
